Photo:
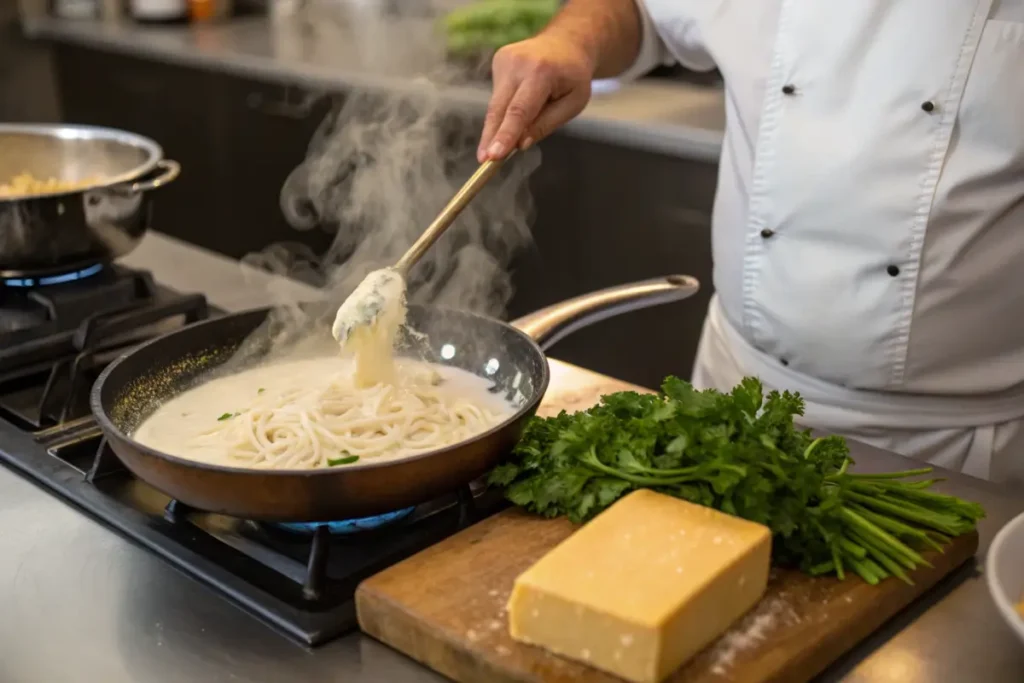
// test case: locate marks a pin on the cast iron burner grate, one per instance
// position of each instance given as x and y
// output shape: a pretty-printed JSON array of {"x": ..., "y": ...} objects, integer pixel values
[
  {"x": 54, "y": 340},
  {"x": 303, "y": 584}
]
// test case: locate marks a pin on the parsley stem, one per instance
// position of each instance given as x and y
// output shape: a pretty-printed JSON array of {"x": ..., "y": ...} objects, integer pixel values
[
  {"x": 941, "y": 502},
  {"x": 939, "y": 521},
  {"x": 876, "y": 569},
  {"x": 879, "y": 485},
  {"x": 908, "y": 485},
  {"x": 842, "y": 468},
  {"x": 852, "y": 548},
  {"x": 654, "y": 471},
  {"x": 838, "y": 562},
  {"x": 641, "y": 480},
  {"x": 879, "y": 555},
  {"x": 892, "y": 475},
  {"x": 677, "y": 476},
  {"x": 864, "y": 570},
  {"x": 873, "y": 531},
  {"x": 895, "y": 526},
  {"x": 822, "y": 568}
]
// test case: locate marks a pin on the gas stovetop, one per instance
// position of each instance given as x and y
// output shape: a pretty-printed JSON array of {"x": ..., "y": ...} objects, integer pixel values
[
  {"x": 300, "y": 578},
  {"x": 56, "y": 335}
]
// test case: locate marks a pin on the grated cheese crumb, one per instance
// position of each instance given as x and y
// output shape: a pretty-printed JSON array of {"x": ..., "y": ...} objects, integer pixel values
[{"x": 749, "y": 633}]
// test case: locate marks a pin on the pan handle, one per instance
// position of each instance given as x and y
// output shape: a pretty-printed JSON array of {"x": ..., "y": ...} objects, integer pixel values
[
  {"x": 169, "y": 170},
  {"x": 550, "y": 325}
]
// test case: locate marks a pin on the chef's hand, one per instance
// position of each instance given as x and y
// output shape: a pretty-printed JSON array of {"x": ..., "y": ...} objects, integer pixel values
[{"x": 539, "y": 84}]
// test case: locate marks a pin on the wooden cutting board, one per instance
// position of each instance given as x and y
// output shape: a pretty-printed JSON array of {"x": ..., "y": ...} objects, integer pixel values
[{"x": 445, "y": 607}]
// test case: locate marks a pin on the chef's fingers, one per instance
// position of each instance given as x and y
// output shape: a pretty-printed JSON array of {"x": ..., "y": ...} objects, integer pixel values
[
  {"x": 554, "y": 114},
  {"x": 505, "y": 86},
  {"x": 521, "y": 113}
]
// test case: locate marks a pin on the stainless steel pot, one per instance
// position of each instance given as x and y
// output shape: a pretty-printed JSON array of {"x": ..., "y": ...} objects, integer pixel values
[{"x": 102, "y": 219}]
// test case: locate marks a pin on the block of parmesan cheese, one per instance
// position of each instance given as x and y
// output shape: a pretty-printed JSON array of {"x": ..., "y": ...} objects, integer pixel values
[{"x": 643, "y": 587}]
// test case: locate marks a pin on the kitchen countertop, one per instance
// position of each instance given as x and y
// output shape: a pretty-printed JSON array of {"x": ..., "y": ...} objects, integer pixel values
[
  {"x": 79, "y": 604},
  {"x": 669, "y": 117}
]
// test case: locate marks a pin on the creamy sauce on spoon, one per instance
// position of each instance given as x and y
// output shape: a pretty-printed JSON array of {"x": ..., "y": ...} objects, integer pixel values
[{"x": 368, "y": 322}]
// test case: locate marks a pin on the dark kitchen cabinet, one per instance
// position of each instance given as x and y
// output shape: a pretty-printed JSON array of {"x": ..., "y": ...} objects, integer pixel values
[
  {"x": 27, "y": 90},
  {"x": 236, "y": 139},
  {"x": 173, "y": 106},
  {"x": 266, "y": 130},
  {"x": 605, "y": 214}
]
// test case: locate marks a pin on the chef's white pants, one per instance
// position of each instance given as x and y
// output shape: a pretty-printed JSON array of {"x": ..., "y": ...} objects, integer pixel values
[{"x": 985, "y": 441}]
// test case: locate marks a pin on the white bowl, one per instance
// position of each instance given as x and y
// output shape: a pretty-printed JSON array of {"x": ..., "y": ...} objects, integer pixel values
[{"x": 1004, "y": 572}]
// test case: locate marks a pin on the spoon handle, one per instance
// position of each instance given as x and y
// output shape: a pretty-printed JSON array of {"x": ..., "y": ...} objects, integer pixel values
[{"x": 449, "y": 213}]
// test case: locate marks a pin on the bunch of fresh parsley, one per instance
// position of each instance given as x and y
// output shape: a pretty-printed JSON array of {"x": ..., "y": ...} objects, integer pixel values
[{"x": 740, "y": 453}]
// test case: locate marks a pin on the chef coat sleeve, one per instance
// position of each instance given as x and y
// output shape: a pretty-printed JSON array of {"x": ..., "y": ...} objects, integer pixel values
[{"x": 664, "y": 47}]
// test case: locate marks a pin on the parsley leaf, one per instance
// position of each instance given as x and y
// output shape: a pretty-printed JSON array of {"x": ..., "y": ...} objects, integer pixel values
[{"x": 344, "y": 460}]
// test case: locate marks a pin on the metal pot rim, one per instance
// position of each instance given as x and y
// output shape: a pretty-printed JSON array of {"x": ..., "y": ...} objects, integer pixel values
[{"x": 154, "y": 152}]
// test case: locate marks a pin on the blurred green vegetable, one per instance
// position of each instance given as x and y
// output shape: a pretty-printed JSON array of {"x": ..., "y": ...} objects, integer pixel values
[{"x": 486, "y": 25}]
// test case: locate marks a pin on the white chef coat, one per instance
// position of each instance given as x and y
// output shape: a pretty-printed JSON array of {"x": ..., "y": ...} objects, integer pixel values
[{"x": 868, "y": 231}]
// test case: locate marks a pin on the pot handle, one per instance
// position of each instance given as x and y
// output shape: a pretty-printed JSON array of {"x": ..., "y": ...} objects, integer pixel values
[
  {"x": 552, "y": 324},
  {"x": 169, "y": 170}
]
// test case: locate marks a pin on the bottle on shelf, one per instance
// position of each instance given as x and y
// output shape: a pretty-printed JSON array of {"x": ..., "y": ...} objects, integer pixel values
[
  {"x": 159, "y": 11},
  {"x": 201, "y": 11},
  {"x": 75, "y": 9}
]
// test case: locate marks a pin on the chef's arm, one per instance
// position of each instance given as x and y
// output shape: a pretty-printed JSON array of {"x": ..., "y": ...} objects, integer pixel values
[
  {"x": 610, "y": 32},
  {"x": 651, "y": 52},
  {"x": 541, "y": 83}
]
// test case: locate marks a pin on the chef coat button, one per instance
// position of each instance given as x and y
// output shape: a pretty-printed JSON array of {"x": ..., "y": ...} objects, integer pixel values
[
  {"x": 767, "y": 232},
  {"x": 784, "y": 361},
  {"x": 788, "y": 89},
  {"x": 893, "y": 270},
  {"x": 928, "y": 106}
]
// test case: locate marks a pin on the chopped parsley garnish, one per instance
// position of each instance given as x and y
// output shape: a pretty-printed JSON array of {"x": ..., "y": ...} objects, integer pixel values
[
  {"x": 738, "y": 452},
  {"x": 346, "y": 460},
  {"x": 226, "y": 416},
  {"x": 260, "y": 390}
]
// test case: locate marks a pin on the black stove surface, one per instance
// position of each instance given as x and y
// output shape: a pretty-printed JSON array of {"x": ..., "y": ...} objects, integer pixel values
[{"x": 300, "y": 581}]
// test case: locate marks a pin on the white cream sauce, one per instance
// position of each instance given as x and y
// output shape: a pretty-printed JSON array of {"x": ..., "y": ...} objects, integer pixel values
[{"x": 178, "y": 426}]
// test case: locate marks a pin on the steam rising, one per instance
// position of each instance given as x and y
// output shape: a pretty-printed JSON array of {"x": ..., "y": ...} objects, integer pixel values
[{"x": 382, "y": 165}]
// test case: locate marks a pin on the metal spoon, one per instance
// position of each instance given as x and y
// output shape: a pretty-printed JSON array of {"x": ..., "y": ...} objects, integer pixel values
[
  {"x": 448, "y": 214},
  {"x": 364, "y": 306}
]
